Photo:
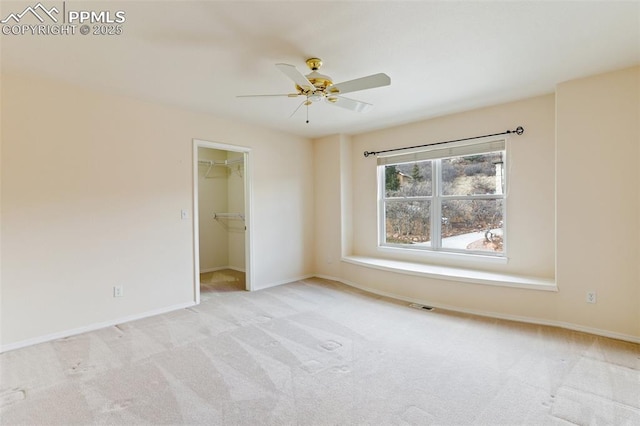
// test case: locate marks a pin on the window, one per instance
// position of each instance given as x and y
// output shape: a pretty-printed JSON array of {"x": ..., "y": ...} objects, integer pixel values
[{"x": 444, "y": 199}]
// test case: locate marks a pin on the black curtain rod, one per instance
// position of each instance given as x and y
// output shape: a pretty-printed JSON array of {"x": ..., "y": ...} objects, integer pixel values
[{"x": 518, "y": 131}]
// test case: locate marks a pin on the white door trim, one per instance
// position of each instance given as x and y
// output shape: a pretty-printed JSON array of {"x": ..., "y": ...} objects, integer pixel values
[{"x": 198, "y": 143}]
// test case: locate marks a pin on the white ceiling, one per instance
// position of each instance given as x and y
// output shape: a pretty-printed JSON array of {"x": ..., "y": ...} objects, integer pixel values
[{"x": 442, "y": 56}]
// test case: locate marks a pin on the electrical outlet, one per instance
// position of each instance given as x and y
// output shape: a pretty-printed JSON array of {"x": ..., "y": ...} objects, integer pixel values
[
  {"x": 591, "y": 297},
  {"x": 118, "y": 291},
  {"x": 184, "y": 214}
]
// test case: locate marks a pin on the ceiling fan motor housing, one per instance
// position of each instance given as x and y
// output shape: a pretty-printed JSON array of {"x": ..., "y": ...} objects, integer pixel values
[{"x": 320, "y": 82}]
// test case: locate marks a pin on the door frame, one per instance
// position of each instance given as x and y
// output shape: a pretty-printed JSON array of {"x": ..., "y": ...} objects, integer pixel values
[{"x": 248, "y": 258}]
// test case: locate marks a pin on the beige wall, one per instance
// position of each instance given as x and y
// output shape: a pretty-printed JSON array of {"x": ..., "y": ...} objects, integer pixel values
[
  {"x": 598, "y": 203},
  {"x": 333, "y": 197},
  {"x": 92, "y": 188},
  {"x": 530, "y": 197},
  {"x": 593, "y": 168},
  {"x": 328, "y": 228}
]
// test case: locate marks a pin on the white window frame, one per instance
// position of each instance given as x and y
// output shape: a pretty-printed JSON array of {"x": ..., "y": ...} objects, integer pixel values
[{"x": 436, "y": 155}]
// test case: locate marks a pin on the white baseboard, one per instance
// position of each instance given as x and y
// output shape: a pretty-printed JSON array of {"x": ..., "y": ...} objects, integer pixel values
[
  {"x": 538, "y": 321},
  {"x": 287, "y": 281},
  {"x": 529, "y": 320},
  {"x": 110, "y": 323},
  {"x": 92, "y": 327}
]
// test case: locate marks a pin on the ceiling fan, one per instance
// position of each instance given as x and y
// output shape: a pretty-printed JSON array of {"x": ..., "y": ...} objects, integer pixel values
[{"x": 316, "y": 87}]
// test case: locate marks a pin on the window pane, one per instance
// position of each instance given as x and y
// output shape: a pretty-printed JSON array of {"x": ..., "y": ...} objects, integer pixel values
[
  {"x": 407, "y": 222},
  {"x": 472, "y": 225},
  {"x": 408, "y": 180},
  {"x": 473, "y": 174}
]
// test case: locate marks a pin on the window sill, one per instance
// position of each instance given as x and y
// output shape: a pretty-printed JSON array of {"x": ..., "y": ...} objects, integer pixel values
[
  {"x": 454, "y": 274},
  {"x": 443, "y": 255}
]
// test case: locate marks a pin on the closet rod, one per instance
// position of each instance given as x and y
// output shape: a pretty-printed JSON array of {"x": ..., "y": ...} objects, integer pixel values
[
  {"x": 221, "y": 162},
  {"x": 518, "y": 131}
]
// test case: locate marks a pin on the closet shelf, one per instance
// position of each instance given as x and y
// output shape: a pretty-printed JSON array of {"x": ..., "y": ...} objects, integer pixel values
[
  {"x": 232, "y": 216},
  {"x": 226, "y": 163},
  {"x": 238, "y": 162}
]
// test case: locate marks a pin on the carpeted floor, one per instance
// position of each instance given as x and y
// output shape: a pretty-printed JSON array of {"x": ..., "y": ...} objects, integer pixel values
[
  {"x": 223, "y": 280},
  {"x": 316, "y": 352}
]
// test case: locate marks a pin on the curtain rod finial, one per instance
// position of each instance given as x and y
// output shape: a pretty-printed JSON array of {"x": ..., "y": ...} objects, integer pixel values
[{"x": 519, "y": 130}]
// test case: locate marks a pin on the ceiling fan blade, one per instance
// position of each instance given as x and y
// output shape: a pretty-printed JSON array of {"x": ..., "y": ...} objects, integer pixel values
[
  {"x": 351, "y": 104},
  {"x": 369, "y": 82},
  {"x": 295, "y": 75},
  {"x": 291, "y": 95}
]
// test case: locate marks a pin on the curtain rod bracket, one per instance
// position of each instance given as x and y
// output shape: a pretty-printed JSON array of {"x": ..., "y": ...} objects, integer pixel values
[{"x": 518, "y": 131}]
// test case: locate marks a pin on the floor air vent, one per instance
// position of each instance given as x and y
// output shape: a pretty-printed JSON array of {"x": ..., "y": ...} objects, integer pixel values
[{"x": 419, "y": 306}]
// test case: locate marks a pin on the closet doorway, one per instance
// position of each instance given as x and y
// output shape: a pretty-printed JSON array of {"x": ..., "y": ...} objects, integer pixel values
[{"x": 221, "y": 206}]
